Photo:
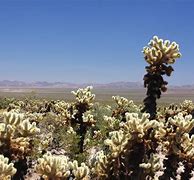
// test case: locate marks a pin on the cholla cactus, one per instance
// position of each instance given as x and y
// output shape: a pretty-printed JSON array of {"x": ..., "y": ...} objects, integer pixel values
[
  {"x": 16, "y": 137},
  {"x": 159, "y": 55},
  {"x": 61, "y": 109},
  {"x": 179, "y": 144},
  {"x": 160, "y": 51},
  {"x": 124, "y": 103},
  {"x": 160, "y": 131},
  {"x": 188, "y": 106},
  {"x": 81, "y": 119},
  {"x": 117, "y": 143},
  {"x": 58, "y": 167},
  {"x": 138, "y": 126},
  {"x": 111, "y": 122},
  {"x": 71, "y": 131},
  {"x": 107, "y": 165},
  {"x": 16, "y": 124},
  {"x": 80, "y": 173},
  {"x": 11, "y": 121},
  {"x": 192, "y": 175},
  {"x": 13, "y": 118},
  {"x": 124, "y": 145},
  {"x": 100, "y": 163},
  {"x": 84, "y": 96},
  {"x": 6, "y": 170},
  {"x": 34, "y": 116},
  {"x": 169, "y": 111},
  {"x": 179, "y": 170},
  {"x": 188, "y": 146},
  {"x": 155, "y": 165},
  {"x": 53, "y": 167},
  {"x": 183, "y": 124},
  {"x": 178, "y": 129},
  {"x": 76, "y": 115},
  {"x": 88, "y": 119},
  {"x": 27, "y": 129},
  {"x": 123, "y": 106},
  {"x": 9, "y": 126}
]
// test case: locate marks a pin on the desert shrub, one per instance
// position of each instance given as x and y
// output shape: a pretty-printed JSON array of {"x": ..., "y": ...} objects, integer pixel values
[{"x": 4, "y": 102}]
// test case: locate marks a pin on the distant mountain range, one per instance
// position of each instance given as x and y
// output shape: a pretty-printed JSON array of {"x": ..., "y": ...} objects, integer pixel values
[{"x": 45, "y": 84}]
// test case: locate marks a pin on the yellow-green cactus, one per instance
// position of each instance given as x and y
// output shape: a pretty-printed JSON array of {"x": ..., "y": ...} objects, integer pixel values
[
  {"x": 28, "y": 129},
  {"x": 58, "y": 167},
  {"x": 138, "y": 126},
  {"x": 16, "y": 141},
  {"x": 100, "y": 164},
  {"x": 6, "y": 170},
  {"x": 159, "y": 131},
  {"x": 10, "y": 124},
  {"x": 124, "y": 105},
  {"x": 187, "y": 106},
  {"x": 154, "y": 166},
  {"x": 53, "y": 167},
  {"x": 34, "y": 116},
  {"x": 117, "y": 142},
  {"x": 79, "y": 110},
  {"x": 15, "y": 123},
  {"x": 88, "y": 119},
  {"x": 84, "y": 95},
  {"x": 122, "y": 102},
  {"x": 61, "y": 108},
  {"x": 13, "y": 119},
  {"x": 160, "y": 51},
  {"x": 71, "y": 131},
  {"x": 6, "y": 131},
  {"x": 183, "y": 124},
  {"x": 20, "y": 144},
  {"x": 187, "y": 145},
  {"x": 79, "y": 172},
  {"x": 111, "y": 122}
]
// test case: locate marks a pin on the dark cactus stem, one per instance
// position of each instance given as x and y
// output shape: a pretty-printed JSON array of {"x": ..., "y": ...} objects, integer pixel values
[
  {"x": 171, "y": 165},
  {"x": 188, "y": 168},
  {"x": 20, "y": 164},
  {"x": 82, "y": 133},
  {"x": 126, "y": 166},
  {"x": 136, "y": 158},
  {"x": 22, "y": 167},
  {"x": 192, "y": 131},
  {"x": 155, "y": 84},
  {"x": 82, "y": 127}
]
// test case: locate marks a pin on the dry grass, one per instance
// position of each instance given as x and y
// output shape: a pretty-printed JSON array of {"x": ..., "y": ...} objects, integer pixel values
[{"x": 103, "y": 96}]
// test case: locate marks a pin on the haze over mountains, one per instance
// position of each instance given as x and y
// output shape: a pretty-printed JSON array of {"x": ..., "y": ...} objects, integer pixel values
[{"x": 45, "y": 84}]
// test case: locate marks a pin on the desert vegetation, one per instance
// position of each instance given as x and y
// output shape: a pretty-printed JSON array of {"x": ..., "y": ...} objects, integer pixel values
[{"x": 83, "y": 139}]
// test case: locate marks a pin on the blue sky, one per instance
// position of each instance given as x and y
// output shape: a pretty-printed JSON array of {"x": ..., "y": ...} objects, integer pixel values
[{"x": 91, "y": 40}]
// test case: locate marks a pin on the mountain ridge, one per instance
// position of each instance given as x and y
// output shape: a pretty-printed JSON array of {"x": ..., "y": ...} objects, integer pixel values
[{"x": 45, "y": 84}]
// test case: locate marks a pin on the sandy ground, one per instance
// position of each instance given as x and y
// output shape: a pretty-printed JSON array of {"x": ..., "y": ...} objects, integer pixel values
[{"x": 33, "y": 176}]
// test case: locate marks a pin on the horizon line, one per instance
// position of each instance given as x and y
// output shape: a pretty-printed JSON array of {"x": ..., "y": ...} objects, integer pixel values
[{"x": 81, "y": 83}]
